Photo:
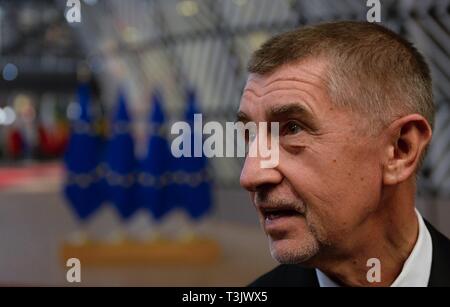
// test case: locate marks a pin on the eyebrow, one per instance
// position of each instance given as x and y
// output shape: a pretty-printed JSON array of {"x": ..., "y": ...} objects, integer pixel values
[
  {"x": 292, "y": 110},
  {"x": 242, "y": 117},
  {"x": 279, "y": 113}
]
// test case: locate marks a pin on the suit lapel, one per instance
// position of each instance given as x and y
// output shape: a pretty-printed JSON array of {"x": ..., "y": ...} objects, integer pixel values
[{"x": 440, "y": 265}]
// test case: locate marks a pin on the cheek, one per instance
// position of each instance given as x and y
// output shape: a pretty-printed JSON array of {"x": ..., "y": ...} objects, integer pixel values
[{"x": 340, "y": 187}]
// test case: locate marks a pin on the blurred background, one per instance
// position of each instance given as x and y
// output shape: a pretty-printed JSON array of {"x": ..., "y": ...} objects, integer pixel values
[{"x": 84, "y": 110}]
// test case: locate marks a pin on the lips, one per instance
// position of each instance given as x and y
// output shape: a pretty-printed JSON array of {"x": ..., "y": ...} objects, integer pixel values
[
  {"x": 281, "y": 220},
  {"x": 271, "y": 213},
  {"x": 280, "y": 213}
]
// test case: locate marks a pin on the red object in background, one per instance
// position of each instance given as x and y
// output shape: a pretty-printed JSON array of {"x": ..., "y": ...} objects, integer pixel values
[
  {"x": 45, "y": 146},
  {"x": 15, "y": 143},
  {"x": 52, "y": 143},
  {"x": 11, "y": 177}
]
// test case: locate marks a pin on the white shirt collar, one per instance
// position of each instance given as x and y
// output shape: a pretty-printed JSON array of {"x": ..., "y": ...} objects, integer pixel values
[{"x": 416, "y": 269}]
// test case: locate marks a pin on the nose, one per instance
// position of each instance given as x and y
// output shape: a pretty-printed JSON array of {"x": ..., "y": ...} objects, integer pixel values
[{"x": 254, "y": 176}]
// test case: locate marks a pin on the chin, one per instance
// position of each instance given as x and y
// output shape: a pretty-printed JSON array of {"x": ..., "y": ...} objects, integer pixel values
[{"x": 292, "y": 251}]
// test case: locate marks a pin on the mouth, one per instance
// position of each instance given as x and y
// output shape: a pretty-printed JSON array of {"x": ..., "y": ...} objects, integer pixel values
[
  {"x": 273, "y": 214},
  {"x": 280, "y": 217}
]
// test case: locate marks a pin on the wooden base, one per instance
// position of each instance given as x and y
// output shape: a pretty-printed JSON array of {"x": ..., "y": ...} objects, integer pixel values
[{"x": 161, "y": 252}]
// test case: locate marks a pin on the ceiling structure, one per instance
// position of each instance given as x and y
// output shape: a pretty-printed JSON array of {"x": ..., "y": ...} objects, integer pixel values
[{"x": 38, "y": 45}]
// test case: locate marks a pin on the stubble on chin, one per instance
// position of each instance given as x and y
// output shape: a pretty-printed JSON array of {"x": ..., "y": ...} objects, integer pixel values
[{"x": 292, "y": 251}]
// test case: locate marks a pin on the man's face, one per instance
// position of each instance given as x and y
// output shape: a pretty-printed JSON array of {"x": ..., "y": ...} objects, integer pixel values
[{"x": 329, "y": 177}]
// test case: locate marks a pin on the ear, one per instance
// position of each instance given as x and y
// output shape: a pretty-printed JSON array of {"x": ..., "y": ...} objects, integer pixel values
[{"x": 408, "y": 138}]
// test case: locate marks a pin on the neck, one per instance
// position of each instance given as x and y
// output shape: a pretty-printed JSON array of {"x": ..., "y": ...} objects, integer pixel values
[{"x": 389, "y": 234}]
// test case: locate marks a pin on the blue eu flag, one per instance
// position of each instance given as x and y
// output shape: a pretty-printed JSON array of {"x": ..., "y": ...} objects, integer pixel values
[
  {"x": 190, "y": 185},
  {"x": 120, "y": 171},
  {"x": 81, "y": 160},
  {"x": 152, "y": 183}
]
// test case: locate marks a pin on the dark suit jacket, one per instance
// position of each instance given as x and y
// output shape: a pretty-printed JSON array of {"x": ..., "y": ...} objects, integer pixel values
[{"x": 291, "y": 275}]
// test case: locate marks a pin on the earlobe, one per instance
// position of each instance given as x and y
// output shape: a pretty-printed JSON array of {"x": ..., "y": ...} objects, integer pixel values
[{"x": 409, "y": 137}]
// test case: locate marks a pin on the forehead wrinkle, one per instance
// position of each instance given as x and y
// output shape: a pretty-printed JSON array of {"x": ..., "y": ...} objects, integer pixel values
[
  {"x": 256, "y": 81},
  {"x": 265, "y": 99},
  {"x": 260, "y": 85},
  {"x": 302, "y": 100},
  {"x": 266, "y": 89},
  {"x": 302, "y": 70},
  {"x": 250, "y": 91},
  {"x": 295, "y": 79}
]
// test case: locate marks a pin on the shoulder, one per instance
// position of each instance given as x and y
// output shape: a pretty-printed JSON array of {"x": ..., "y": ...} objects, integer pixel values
[{"x": 287, "y": 275}]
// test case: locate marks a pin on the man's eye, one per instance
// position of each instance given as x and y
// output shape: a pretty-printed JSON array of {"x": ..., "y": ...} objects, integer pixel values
[
  {"x": 248, "y": 135},
  {"x": 292, "y": 127}
]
